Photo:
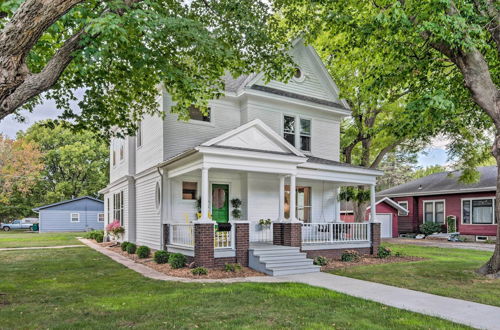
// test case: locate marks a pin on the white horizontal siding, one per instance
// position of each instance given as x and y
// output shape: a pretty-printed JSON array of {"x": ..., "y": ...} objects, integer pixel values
[
  {"x": 325, "y": 139},
  {"x": 180, "y": 135},
  {"x": 148, "y": 228},
  {"x": 150, "y": 152}
]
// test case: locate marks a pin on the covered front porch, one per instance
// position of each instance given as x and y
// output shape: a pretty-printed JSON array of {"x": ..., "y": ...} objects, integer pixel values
[{"x": 222, "y": 198}]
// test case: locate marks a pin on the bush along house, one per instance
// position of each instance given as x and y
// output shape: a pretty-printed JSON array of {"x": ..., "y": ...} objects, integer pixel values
[
  {"x": 253, "y": 180},
  {"x": 441, "y": 198}
]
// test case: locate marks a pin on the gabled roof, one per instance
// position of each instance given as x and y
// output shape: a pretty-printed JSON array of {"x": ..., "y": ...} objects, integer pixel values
[
  {"x": 67, "y": 201},
  {"x": 392, "y": 203},
  {"x": 325, "y": 93},
  {"x": 347, "y": 206},
  {"x": 255, "y": 136},
  {"x": 444, "y": 183}
]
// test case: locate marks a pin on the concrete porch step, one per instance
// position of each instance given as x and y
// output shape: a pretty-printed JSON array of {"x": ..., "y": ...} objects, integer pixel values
[{"x": 278, "y": 260}]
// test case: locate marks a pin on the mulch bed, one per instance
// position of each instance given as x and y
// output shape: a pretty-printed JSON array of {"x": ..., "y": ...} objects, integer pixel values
[
  {"x": 368, "y": 260},
  {"x": 213, "y": 273}
]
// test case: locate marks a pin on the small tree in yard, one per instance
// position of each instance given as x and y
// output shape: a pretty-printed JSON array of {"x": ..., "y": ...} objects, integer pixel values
[{"x": 451, "y": 48}]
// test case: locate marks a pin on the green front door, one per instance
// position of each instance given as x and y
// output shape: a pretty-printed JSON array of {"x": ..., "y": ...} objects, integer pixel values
[{"x": 220, "y": 202}]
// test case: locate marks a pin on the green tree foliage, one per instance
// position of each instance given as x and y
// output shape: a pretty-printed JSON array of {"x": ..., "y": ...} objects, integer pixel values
[
  {"x": 449, "y": 48},
  {"x": 74, "y": 163},
  {"x": 121, "y": 51},
  {"x": 398, "y": 167},
  {"x": 425, "y": 171}
]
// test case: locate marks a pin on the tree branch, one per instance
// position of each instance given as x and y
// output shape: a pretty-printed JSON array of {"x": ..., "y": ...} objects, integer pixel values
[{"x": 382, "y": 154}]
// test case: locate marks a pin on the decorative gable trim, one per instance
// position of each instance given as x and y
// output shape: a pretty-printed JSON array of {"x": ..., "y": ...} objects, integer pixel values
[
  {"x": 261, "y": 131},
  {"x": 392, "y": 203}
]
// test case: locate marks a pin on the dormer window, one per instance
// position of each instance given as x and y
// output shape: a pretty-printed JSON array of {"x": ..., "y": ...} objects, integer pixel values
[
  {"x": 196, "y": 114},
  {"x": 293, "y": 125}
]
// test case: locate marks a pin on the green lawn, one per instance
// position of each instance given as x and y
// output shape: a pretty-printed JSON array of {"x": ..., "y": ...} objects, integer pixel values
[
  {"x": 14, "y": 239},
  {"x": 447, "y": 272},
  {"x": 80, "y": 288}
]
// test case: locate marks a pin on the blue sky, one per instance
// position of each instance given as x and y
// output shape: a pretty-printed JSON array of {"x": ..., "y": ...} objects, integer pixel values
[{"x": 9, "y": 126}]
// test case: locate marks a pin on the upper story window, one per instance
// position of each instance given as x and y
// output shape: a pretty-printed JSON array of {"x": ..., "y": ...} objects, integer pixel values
[
  {"x": 196, "y": 114},
  {"x": 478, "y": 211},
  {"x": 297, "y": 131},
  {"x": 114, "y": 157},
  {"x": 299, "y": 75},
  {"x": 122, "y": 151},
  {"x": 405, "y": 205},
  {"x": 434, "y": 211},
  {"x": 138, "y": 135}
]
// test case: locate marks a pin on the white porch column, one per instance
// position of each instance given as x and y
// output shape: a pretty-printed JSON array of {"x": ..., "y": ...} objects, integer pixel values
[
  {"x": 281, "y": 207},
  {"x": 204, "y": 195},
  {"x": 373, "y": 211},
  {"x": 337, "y": 204},
  {"x": 293, "y": 191}
]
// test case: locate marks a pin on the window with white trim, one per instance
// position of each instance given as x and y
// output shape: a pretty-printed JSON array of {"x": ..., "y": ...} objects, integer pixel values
[
  {"x": 157, "y": 195},
  {"x": 100, "y": 217},
  {"x": 189, "y": 190},
  {"x": 75, "y": 217},
  {"x": 138, "y": 135},
  {"x": 478, "y": 211},
  {"x": 405, "y": 205},
  {"x": 434, "y": 211},
  {"x": 195, "y": 113},
  {"x": 297, "y": 132},
  {"x": 118, "y": 207},
  {"x": 122, "y": 150}
]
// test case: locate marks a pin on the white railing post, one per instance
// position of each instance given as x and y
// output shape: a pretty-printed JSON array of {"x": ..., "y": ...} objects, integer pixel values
[{"x": 330, "y": 233}]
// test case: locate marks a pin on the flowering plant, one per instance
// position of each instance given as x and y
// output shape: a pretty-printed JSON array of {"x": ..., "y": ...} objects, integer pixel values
[{"x": 115, "y": 229}]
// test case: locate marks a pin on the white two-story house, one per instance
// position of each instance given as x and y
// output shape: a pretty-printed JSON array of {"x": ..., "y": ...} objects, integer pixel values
[{"x": 274, "y": 147}]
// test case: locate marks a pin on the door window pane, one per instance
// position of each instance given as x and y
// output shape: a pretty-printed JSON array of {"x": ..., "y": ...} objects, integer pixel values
[{"x": 303, "y": 203}]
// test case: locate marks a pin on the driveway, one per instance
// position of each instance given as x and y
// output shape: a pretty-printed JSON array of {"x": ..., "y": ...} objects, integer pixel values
[{"x": 442, "y": 244}]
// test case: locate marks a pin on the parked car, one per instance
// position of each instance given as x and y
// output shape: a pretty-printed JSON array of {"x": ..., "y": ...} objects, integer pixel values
[{"x": 16, "y": 224}]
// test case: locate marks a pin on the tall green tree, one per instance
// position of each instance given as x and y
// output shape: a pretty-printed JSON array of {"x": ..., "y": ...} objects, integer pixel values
[
  {"x": 74, "y": 163},
  {"x": 425, "y": 171},
  {"x": 120, "y": 51},
  {"x": 398, "y": 167},
  {"x": 452, "y": 46}
]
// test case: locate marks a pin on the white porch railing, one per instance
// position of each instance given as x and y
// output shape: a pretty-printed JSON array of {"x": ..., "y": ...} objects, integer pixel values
[
  {"x": 261, "y": 234},
  {"x": 181, "y": 234},
  {"x": 325, "y": 233},
  {"x": 223, "y": 239}
]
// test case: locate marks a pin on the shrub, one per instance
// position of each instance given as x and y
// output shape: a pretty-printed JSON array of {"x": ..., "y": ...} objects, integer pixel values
[
  {"x": 232, "y": 268},
  {"x": 451, "y": 224},
  {"x": 123, "y": 246},
  {"x": 97, "y": 235},
  {"x": 131, "y": 247},
  {"x": 429, "y": 228},
  {"x": 383, "y": 252},
  {"x": 350, "y": 256},
  {"x": 176, "y": 260},
  {"x": 199, "y": 271},
  {"x": 161, "y": 257},
  {"x": 320, "y": 261},
  {"x": 143, "y": 252}
]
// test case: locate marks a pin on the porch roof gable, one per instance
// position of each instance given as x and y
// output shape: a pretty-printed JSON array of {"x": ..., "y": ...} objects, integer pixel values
[{"x": 254, "y": 136}]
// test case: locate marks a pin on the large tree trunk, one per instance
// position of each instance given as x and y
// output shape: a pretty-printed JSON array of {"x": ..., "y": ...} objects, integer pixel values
[
  {"x": 359, "y": 207},
  {"x": 493, "y": 265}
]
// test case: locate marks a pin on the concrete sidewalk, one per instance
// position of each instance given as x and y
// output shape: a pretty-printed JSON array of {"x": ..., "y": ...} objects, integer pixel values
[
  {"x": 41, "y": 247},
  {"x": 460, "y": 311}
]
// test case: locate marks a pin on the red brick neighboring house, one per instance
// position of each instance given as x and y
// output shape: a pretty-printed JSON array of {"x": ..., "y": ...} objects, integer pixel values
[{"x": 435, "y": 197}]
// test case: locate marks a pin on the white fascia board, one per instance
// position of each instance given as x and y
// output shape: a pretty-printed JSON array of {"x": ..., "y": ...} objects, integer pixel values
[
  {"x": 184, "y": 168},
  {"x": 261, "y": 165},
  {"x": 115, "y": 183},
  {"x": 273, "y": 157},
  {"x": 345, "y": 169},
  {"x": 443, "y": 192},
  {"x": 302, "y": 103},
  {"x": 391, "y": 203},
  {"x": 338, "y": 177}
]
